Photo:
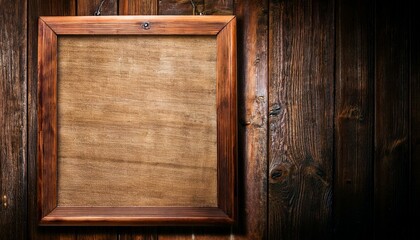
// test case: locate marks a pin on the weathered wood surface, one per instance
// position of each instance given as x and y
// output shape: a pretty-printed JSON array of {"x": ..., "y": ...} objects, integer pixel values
[
  {"x": 253, "y": 116},
  {"x": 138, "y": 7},
  {"x": 179, "y": 7},
  {"x": 392, "y": 165},
  {"x": 36, "y": 9},
  {"x": 89, "y": 7},
  {"x": 353, "y": 189},
  {"x": 13, "y": 128},
  {"x": 301, "y": 93},
  {"x": 143, "y": 117}
]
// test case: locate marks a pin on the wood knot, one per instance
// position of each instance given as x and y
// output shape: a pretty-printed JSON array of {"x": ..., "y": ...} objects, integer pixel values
[
  {"x": 352, "y": 113},
  {"x": 278, "y": 174}
]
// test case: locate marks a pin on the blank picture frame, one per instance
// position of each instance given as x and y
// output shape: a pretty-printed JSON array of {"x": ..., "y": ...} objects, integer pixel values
[{"x": 137, "y": 120}]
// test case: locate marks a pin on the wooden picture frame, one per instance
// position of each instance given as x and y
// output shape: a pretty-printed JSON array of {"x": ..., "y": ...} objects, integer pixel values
[{"x": 223, "y": 28}]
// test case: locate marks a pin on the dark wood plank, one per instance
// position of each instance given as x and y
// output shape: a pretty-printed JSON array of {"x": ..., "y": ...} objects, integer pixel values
[
  {"x": 138, "y": 7},
  {"x": 392, "y": 121},
  {"x": 353, "y": 189},
  {"x": 301, "y": 107},
  {"x": 88, "y": 7},
  {"x": 35, "y": 9},
  {"x": 179, "y": 7},
  {"x": 252, "y": 109},
  {"x": 13, "y": 138},
  {"x": 218, "y": 7},
  {"x": 415, "y": 118}
]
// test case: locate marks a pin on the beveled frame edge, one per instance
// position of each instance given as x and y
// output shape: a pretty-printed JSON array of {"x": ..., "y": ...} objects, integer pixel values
[{"x": 224, "y": 28}]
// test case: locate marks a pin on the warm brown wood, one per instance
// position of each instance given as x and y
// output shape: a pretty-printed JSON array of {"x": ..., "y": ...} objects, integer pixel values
[
  {"x": 179, "y": 7},
  {"x": 88, "y": 7},
  {"x": 147, "y": 130},
  {"x": 392, "y": 121},
  {"x": 353, "y": 194},
  {"x": 226, "y": 127},
  {"x": 132, "y": 216},
  {"x": 47, "y": 121},
  {"x": 218, "y": 7},
  {"x": 48, "y": 134},
  {"x": 133, "y": 25},
  {"x": 253, "y": 104},
  {"x": 35, "y": 9},
  {"x": 13, "y": 112},
  {"x": 138, "y": 7},
  {"x": 414, "y": 118},
  {"x": 301, "y": 119}
]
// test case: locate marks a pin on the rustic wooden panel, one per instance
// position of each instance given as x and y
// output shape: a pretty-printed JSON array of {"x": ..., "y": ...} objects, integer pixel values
[
  {"x": 35, "y": 9},
  {"x": 88, "y": 7},
  {"x": 253, "y": 104},
  {"x": 218, "y": 7},
  {"x": 13, "y": 138},
  {"x": 353, "y": 201},
  {"x": 138, "y": 7},
  {"x": 301, "y": 92},
  {"x": 179, "y": 7},
  {"x": 127, "y": 128},
  {"x": 392, "y": 121},
  {"x": 415, "y": 117}
]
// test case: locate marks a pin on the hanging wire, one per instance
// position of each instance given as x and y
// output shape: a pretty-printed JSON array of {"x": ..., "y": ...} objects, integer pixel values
[
  {"x": 98, "y": 10},
  {"x": 194, "y": 8}
]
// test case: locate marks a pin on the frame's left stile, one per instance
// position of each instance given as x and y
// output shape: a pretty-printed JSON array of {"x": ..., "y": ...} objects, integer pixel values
[
  {"x": 224, "y": 28},
  {"x": 47, "y": 122}
]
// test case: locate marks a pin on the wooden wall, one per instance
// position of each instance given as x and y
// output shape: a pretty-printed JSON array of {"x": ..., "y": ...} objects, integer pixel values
[{"x": 329, "y": 118}]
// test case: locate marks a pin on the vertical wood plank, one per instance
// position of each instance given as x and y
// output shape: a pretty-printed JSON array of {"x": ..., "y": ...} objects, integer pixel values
[
  {"x": 353, "y": 194},
  {"x": 38, "y": 8},
  {"x": 252, "y": 40},
  {"x": 392, "y": 121},
  {"x": 301, "y": 107},
  {"x": 218, "y": 7},
  {"x": 138, "y": 7},
  {"x": 88, "y": 7},
  {"x": 13, "y": 138},
  {"x": 175, "y": 233},
  {"x": 415, "y": 117},
  {"x": 178, "y": 7}
]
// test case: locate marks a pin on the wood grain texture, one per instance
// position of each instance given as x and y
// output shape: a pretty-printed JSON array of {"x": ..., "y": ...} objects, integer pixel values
[
  {"x": 415, "y": 118},
  {"x": 36, "y": 9},
  {"x": 88, "y": 7},
  {"x": 163, "y": 104},
  {"x": 138, "y": 7},
  {"x": 136, "y": 216},
  {"x": 47, "y": 121},
  {"x": 392, "y": 121},
  {"x": 353, "y": 195},
  {"x": 226, "y": 126},
  {"x": 253, "y": 105},
  {"x": 178, "y": 7},
  {"x": 13, "y": 110},
  {"x": 132, "y": 25},
  {"x": 218, "y": 7},
  {"x": 301, "y": 70}
]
